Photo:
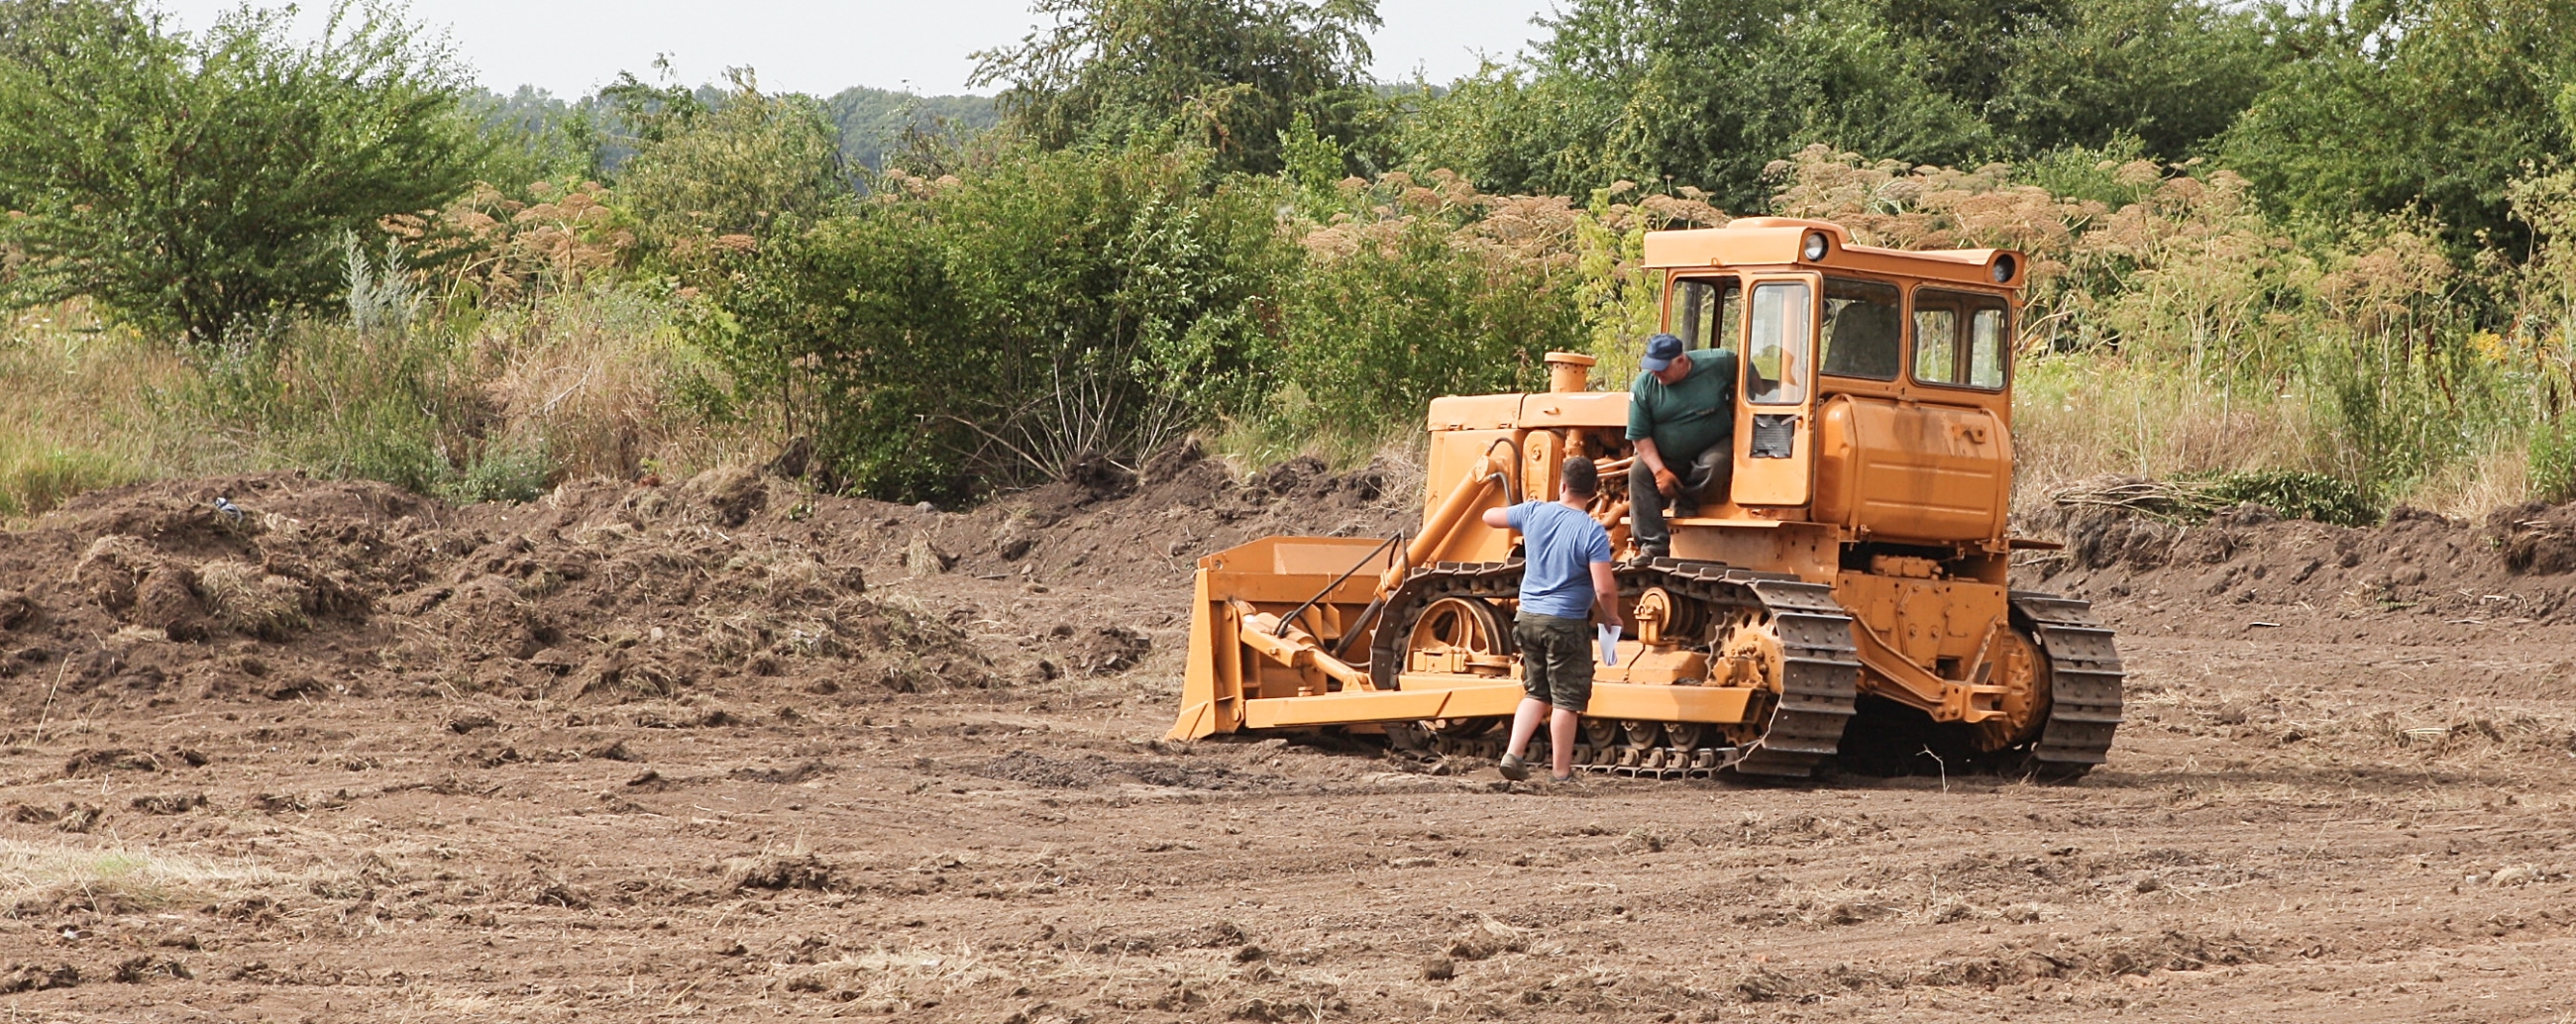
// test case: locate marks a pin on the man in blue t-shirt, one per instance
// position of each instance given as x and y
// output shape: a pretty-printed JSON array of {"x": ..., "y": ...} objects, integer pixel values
[{"x": 1565, "y": 573}]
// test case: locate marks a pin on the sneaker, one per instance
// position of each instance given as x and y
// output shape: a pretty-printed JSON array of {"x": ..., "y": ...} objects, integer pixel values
[
  {"x": 1513, "y": 767},
  {"x": 1561, "y": 780}
]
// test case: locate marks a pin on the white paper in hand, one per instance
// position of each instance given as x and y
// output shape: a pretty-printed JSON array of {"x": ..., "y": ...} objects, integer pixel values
[{"x": 1609, "y": 644}]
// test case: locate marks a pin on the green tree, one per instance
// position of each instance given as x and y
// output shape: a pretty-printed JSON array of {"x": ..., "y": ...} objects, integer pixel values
[
  {"x": 189, "y": 183},
  {"x": 1229, "y": 74},
  {"x": 731, "y": 167},
  {"x": 1701, "y": 92},
  {"x": 1709, "y": 92},
  {"x": 2172, "y": 74},
  {"x": 2437, "y": 104},
  {"x": 538, "y": 137}
]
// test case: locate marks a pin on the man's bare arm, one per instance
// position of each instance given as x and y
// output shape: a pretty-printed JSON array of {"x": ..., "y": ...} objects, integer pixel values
[
  {"x": 1649, "y": 455},
  {"x": 1666, "y": 482},
  {"x": 1605, "y": 594},
  {"x": 1498, "y": 518}
]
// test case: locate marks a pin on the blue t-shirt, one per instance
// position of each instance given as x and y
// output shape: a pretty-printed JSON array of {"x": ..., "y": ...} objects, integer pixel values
[{"x": 1562, "y": 545}]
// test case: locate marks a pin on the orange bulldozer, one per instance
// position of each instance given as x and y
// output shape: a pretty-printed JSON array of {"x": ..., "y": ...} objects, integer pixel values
[{"x": 1844, "y": 586}]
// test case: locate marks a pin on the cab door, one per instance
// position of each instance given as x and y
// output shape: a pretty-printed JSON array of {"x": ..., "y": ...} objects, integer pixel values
[{"x": 1774, "y": 426}]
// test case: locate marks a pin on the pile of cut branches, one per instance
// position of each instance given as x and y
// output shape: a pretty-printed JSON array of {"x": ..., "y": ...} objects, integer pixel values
[{"x": 2193, "y": 499}]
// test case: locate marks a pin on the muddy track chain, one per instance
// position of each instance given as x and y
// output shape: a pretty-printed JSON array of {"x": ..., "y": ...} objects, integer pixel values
[
  {"x": 1821, "y": 668},
  {"x": 2084, "y": 681}
]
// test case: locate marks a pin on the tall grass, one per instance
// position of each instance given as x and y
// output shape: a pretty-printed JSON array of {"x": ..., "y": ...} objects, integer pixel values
[
  {"x": 2078, "y": 416},
  {"x": 604, "y": 381},
  {"x": 2174, "y": 328},
  {"x": 85, "y": 409},
  {"x": 495, "y": 406}
]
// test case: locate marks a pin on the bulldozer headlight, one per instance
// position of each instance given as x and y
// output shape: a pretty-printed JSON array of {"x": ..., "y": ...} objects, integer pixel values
[
  {"x": 1815, "y": 247},
  {"x": 2003, "y": 268}
]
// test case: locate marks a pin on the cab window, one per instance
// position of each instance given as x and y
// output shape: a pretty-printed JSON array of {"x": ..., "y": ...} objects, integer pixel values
[
  {"x": 1707, "y": 312},
  {"x": 1863, "y": 330},
  {"x": 1961, "y": 339},
  {"x": 1775, "y": 370}
]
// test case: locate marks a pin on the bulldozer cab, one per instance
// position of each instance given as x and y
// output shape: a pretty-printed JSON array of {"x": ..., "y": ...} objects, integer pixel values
[{"x": 1875, "y": 382}]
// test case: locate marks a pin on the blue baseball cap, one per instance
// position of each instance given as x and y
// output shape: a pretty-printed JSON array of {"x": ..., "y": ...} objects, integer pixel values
[{"x": 1661, "y": 350}]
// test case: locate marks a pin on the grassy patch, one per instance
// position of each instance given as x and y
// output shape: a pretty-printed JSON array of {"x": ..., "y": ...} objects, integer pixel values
[
  {"x": 39, "y": 876},
  {"x": 493, "y": 407},
  {"x": 35, "y": 479},
  {"x": 86, "y": 409}
]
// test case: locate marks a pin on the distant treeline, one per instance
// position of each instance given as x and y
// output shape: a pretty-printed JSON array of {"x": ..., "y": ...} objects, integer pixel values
[{"x": 866, "y": 120}]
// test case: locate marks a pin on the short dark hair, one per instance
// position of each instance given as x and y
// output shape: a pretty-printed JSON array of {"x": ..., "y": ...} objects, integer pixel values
[{"x": 1580, "y": 477}]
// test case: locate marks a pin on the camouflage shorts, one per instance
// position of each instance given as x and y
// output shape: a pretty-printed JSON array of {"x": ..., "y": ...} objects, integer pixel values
[{"x": 1556, "y": 659}]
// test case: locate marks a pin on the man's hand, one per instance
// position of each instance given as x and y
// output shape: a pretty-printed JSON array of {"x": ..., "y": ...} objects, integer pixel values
[{"x": 1666, "y": 483}]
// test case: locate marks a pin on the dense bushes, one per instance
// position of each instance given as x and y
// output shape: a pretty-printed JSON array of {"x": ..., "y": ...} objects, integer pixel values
[
  {"x": 1706, "y": 92},
  {"x": 954, "y": 335},
  {"x": 1434, "y": 291},
  {"x": 1416, "y": 289},
  {"x": 735, "y": 167}
]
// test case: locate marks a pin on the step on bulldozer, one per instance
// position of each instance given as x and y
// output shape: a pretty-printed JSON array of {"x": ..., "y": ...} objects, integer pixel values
[{"x": 1855, "y": 559}]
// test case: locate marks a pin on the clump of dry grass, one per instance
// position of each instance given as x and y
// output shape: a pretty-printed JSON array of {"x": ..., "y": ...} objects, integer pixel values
[
  {"x": 598, "y": 375},
  {"x": 37, "y": 877},
  {"x": 2080, "y": 417},
  {"x": 896, "y": 978},
  {"x": 249, "y": 600}
]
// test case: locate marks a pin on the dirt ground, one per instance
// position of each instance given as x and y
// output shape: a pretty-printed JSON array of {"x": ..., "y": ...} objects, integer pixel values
[{"x": 719, "y": 750}]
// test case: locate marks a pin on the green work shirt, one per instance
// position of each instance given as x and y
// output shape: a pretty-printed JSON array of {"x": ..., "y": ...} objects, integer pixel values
[{"x": 1686, "y": 418}]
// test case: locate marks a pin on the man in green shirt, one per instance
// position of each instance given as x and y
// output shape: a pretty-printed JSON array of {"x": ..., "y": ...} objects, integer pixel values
[{"x": 1681, "y": 416}]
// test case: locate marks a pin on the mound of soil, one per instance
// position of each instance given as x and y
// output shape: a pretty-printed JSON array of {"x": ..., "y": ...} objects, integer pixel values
[
  {"x": 2246, "y": 568},
  {"x": 286, "y": 587}
]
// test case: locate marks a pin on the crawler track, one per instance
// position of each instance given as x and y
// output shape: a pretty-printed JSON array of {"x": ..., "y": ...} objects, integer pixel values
[{"x": 2084, "y": 684}]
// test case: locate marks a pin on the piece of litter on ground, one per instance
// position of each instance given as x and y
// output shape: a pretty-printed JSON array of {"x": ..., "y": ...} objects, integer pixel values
[{"x": 2274, "y": 625}]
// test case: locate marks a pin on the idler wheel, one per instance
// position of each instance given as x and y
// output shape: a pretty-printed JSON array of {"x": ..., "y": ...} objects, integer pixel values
[
  {"x": 1746, "y": 653},
  {"x": 1460, "y": 635},
  {"x": 2022, "y": 670}
]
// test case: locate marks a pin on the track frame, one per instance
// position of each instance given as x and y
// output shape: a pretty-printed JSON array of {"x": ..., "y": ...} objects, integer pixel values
[{"x": 1820, "y": 668}]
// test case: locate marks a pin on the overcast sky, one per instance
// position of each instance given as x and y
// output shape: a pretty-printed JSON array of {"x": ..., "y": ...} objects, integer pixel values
[{"x": 572, "y": 47}]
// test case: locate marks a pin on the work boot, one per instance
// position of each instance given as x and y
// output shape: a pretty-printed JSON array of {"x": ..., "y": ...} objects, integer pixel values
[{"x": 1513, "y": 767}]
